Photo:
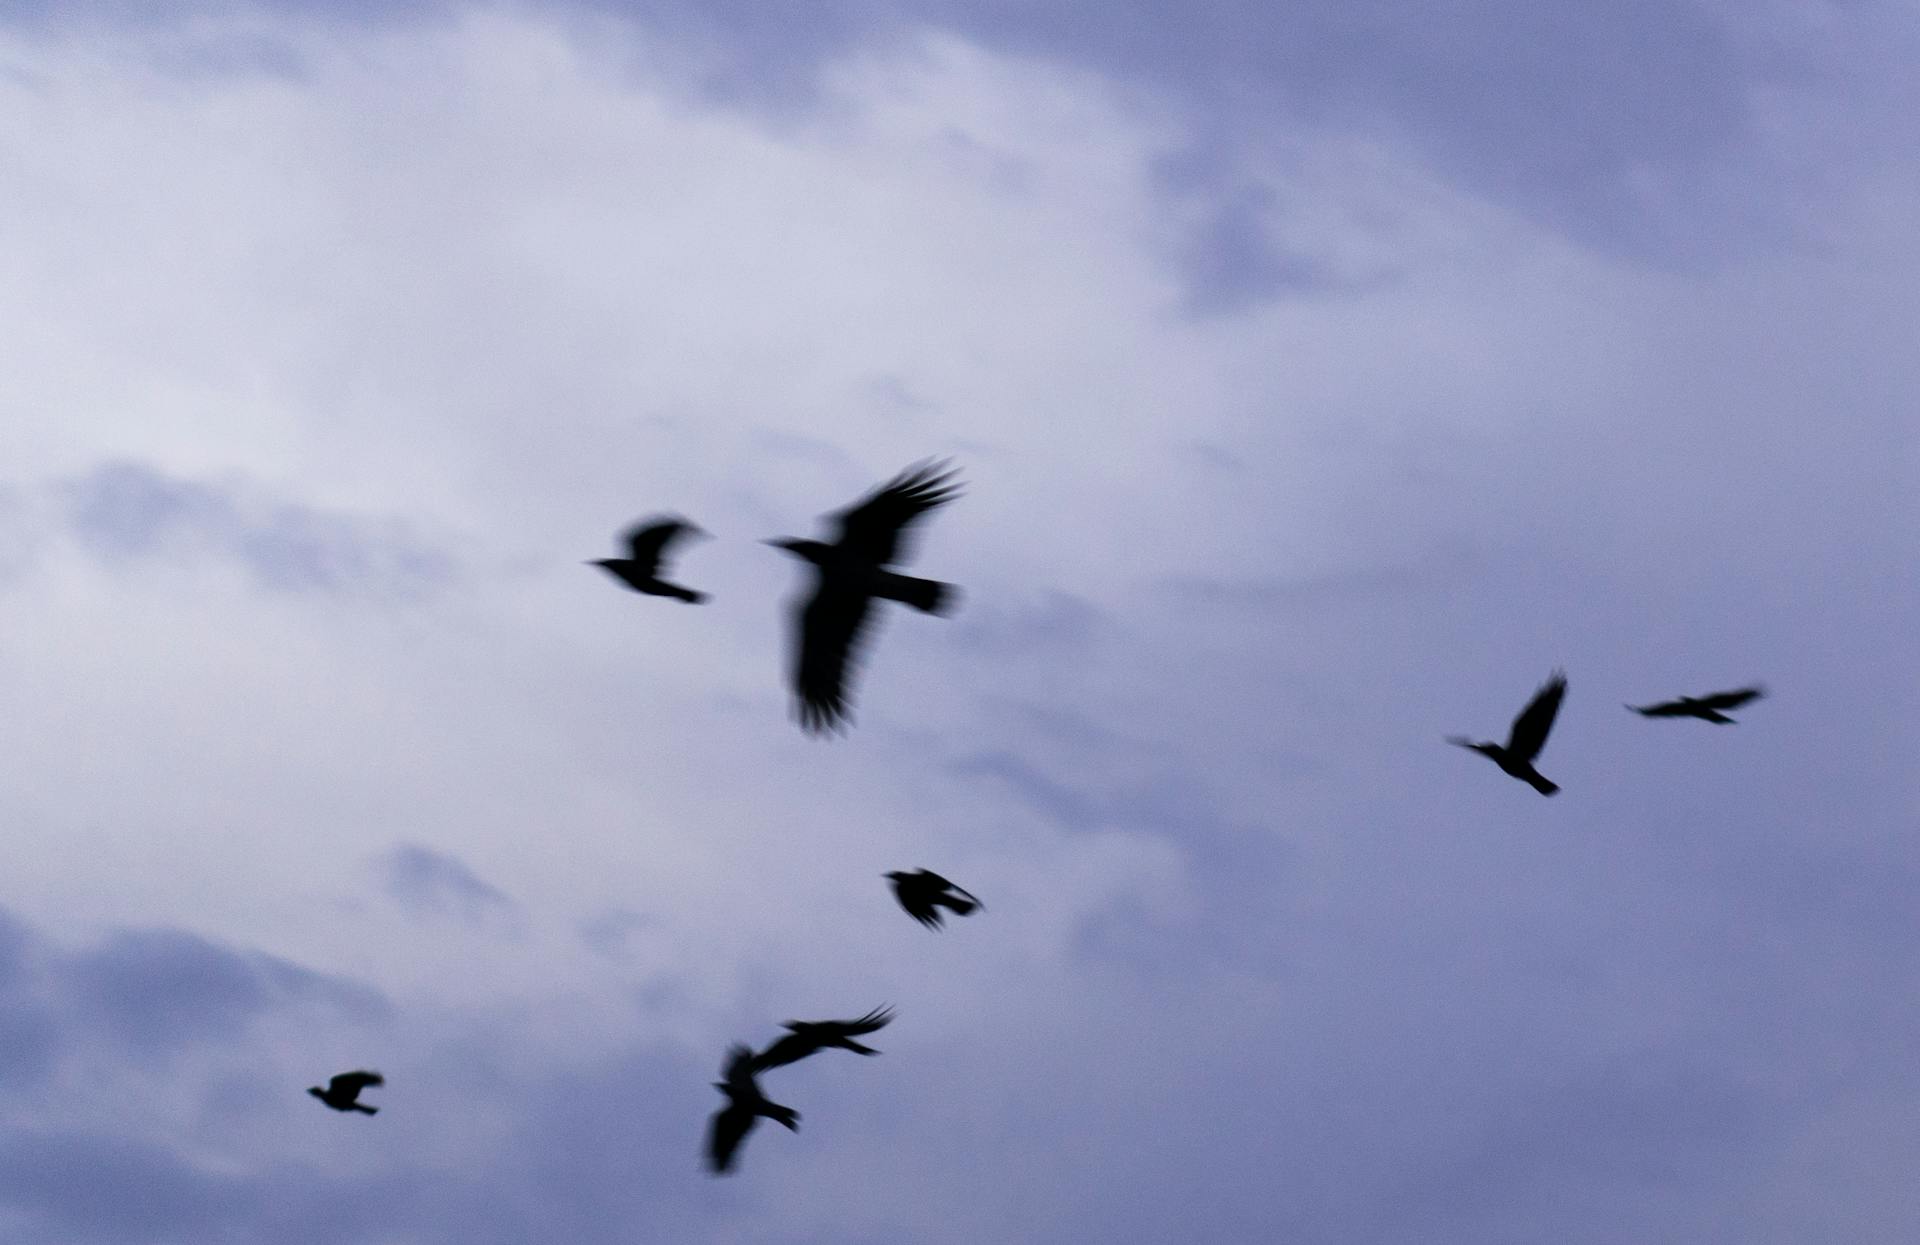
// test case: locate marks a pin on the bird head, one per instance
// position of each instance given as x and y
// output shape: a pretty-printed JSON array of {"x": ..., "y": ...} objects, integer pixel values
[{"x": 808, "y": 549}]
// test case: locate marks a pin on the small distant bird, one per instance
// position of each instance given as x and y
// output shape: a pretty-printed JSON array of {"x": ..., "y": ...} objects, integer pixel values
[
  {"x": 342, "y": 1091},
  {"x": 923, "y": 893},
  {"x": 646, "y": 550},
  {"x": 745, "y": 1104},
  {"x": 1706, "y": 708},
  {"x": 850, "y": 574},
  {"x": 808, "y": 1036},
  {"x": 1528, "y": 736}
]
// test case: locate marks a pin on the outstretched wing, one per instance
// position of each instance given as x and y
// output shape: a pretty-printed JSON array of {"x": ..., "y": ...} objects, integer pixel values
[
  {"x": 1730, "y": 700},
  {"x": 871, "y": 529},
  {"x": 351, "y": 1083},
  {"x": 789, "y": 1049},
  {"x": 1666, "y": 709},
  {"x": 829, "y": 637},
  {"x": 647, "y": 542},
  {"x": 1530, "y": 729},
  {"x": 729, "y": 1128},
  {"x": 875, "y": 1019}
]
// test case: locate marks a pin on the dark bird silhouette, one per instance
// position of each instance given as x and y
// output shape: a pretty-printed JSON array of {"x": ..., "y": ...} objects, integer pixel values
[
  {"x": 1528, "y": 736},
  {"x": 343, "y": 1090},
  {"x": 923, "y": 893},
  {"x": 646, "y": 549},
  {"x": 1706, "y": 708},
  {"x": 849, "y": 574},
  {"x": 745, "y": 1104},
  {"x": 808, "y": 1036}
]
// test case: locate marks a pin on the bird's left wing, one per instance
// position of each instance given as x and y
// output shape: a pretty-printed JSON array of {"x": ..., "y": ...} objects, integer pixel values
[
  {"x": 875, "y": 1019},
  {"x": 1530, "y": 729},
  {"x": 724, "y": 1135},
  {"x": 354, "y": 1082},
  {"x": 647, "y": 541},
  {"x": 1730, "y": 700}
]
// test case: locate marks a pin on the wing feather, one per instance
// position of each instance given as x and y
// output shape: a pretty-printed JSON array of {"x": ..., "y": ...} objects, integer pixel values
[
  {"x": 1530, "y": 729},
  {"x": 831, "y": 629},
  {"x": 872, "y": 529}
]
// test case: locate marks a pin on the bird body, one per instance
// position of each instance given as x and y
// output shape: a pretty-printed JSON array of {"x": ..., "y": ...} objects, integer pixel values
[
  {"x": 647, "y": 544},
  {"x": 851, "y": 573},
  {"x": 1706, "y": 708},
  {"x": 745, "y": 1105},
  {"x": 807, "y": 1036},
  {"x": 1526, "y": 738},
  {"x": 923, "y": 893},
  {"x": 343, "y": 1090}
]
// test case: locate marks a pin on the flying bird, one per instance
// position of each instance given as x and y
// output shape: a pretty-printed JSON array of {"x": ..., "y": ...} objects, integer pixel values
[
  {"x": 342, "y": 1091},
  {"x": 1706, "y": 708},
  {"x": 745, "y": 1104},
  {"x": 647, "y": 544},
  {"x": 849, "y": 575},
  {"x": 1528, "y": 736},
  {"x": 808, "y": 1036},
  {"x": 923, "y": 893}
]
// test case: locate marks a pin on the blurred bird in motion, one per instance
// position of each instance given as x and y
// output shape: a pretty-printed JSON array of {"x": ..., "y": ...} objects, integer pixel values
[
  {"x": 342, "y": 1091},
  {"x": 808, "y": 1036},
  {"x": 1706, "y": 708},
  {"x": 745, "y": 1104},
  {"x": 923, "y": 893},
  {"x": 1528, "y": 736},
  {"x": 849, "y": 575},
  {"x": 647, "y": 544}
]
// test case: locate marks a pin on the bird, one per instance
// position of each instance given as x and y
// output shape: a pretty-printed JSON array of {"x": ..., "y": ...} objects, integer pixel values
[
  {"x": 849, "y": 574},
  {"x": 745, "y": 1104},
  {"x": 343, "y": 1090},
  {"x": 1528, "y": 736},
  {"x": 1706, "y": 708},
  {"x": 808, "y": 1036},
  {"x": 923, "y": 893},
  {"x": 647, "y": 543}
]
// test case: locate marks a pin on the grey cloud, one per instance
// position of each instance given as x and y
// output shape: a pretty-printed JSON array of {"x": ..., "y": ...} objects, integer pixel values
[
  {"x": 430, "y": 882},
  {"x": 157, "y": 991},
  {"x": 127, "y": 511}
]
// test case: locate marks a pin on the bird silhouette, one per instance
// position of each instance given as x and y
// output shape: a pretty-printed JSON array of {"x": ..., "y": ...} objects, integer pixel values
[
  {"x": 1528, "y": 736},
  {"x": 343, "y": 1090},
  {"x": 745, "y": 1104},
  {"x": 647, "y": 544},
  {"x": 1706, "y": 708},
  {"x": 923, "y": 893},
  {"x": 808, "y": 1036},
  {"x": 849, "y": 574}
]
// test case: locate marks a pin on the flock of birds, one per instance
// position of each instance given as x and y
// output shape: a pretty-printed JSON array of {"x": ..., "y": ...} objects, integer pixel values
[{"x": 829, "y": 630}]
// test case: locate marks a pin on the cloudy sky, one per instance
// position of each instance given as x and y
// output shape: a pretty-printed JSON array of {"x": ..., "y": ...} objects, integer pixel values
[{"x": 1324, "y": 375}]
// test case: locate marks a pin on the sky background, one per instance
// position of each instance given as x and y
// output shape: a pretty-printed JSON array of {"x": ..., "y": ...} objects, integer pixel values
[{"x": 1324, "y": 375}]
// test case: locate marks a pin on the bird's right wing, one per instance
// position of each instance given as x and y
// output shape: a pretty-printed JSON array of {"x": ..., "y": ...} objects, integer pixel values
[
  {"x": 1530, "y": 729},
  {"x": 724, "y": 1135},
  {"x": 875, "y": 1019},
  {"x": 352, "y": 1083},
  {"x": 1731, "y": 700},
  {"x": 828, "y": 643},
  {"x": 871, "y": 528}
]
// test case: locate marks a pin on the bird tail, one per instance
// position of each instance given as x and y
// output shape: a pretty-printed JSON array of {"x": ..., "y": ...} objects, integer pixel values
[
  {"x": 929, "y": 596},
  {"x": 363, "y": 1107},
  {"x": 691, "y": 596},
  {"x": 1542, "y": 785},
  {"x": 960, "y": 906},
  {"x": 857, "y": 1048},
  {"x": 782, "y": 1115}
]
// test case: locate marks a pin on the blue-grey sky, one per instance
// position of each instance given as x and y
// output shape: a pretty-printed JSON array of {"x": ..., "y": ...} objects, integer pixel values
[{"x": 1324, "y": 375}]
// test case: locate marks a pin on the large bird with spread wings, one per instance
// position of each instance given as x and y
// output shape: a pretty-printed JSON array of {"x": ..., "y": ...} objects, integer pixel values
[
  {"x": 1706, "y": 708},
  {"x": 849, "y": 575},
  {"x": 1528, "y": 736},
  {"x": 745, "y": 1104}
]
